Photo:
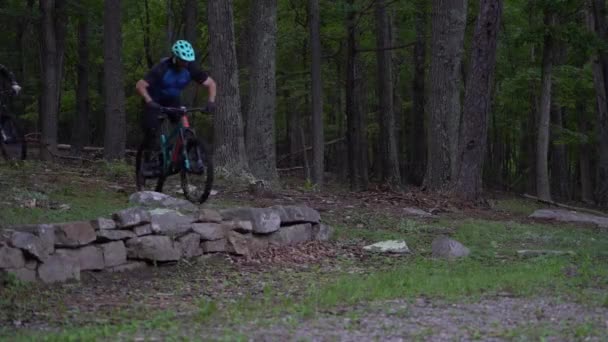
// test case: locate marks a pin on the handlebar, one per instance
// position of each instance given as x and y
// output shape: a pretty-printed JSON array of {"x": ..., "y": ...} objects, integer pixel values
[{"x": 174, "y": 111}]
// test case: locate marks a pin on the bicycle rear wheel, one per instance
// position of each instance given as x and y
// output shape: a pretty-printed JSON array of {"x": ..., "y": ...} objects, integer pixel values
[
  {"x": 198, "y": 179},
  {"x": 12, "y": 140},
  {"x": 143, "y": 181}
]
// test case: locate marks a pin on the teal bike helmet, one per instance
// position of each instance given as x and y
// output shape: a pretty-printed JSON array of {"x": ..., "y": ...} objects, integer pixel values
[{"x": 183, "y": 50}]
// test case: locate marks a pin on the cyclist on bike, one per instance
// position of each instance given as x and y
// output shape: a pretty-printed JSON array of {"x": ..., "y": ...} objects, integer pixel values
[
  {"x": 8, "y": 78},
  {"x": 162, "y": 87}
]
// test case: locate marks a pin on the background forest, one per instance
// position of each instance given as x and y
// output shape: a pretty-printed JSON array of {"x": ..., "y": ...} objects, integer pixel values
[{"x": 440, "y": 94}]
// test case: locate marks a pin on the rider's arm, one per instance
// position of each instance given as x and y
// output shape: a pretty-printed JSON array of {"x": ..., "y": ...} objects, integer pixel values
[
  {"x": 152, "y": 77},
  {"x": 211, "y": 87},
  {"x": 142, "y": 89},
  {"x": 8, "y": 74}
]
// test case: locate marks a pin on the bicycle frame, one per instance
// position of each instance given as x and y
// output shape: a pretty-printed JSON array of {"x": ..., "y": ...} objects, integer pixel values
[{"x": 172, "y": 143}]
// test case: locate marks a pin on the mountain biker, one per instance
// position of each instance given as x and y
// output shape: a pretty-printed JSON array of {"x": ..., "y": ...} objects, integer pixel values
[
  {"x": 7, "y": 81},
  {"x": 162, "y": 86},
  {"x": 8, "y": 78}
]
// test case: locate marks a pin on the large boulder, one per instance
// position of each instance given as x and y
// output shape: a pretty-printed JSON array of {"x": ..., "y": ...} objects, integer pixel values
[
  {"x": 297, "y": 214},
  {"x": 291, "y": 235},
  {"x": 237, "y": 243},
  {"x": 151, "y": 199},
  {"x": 209, "y": 231},
  {"x": 265, "y": 221},
  {"x": 446, "y": 248},
  {"x": 564, "y": 215},
  {"x": 131, "y": 217},
  {"x": 146, "y": 229},
  {"x": 114, "y": 253},
  {"x": 321, "y": 232},
  {"x": 74, "y": 234},
  {"x": 114, "y": 235},
  {"x": 214, "y": 246},
  {"x": 190, "y": 245},
  {"x": 23, "y": 274},
  {"x": 103, "y": 223},
  {"x": 209, "y": 215},
  {"x": 31, "y": 244},
  {"x": 170, "y": 222},
  {"x": 244, "y": 227},
  {"x": 153, "y": 248},
  {"x": 58, "y": 268},
  {"x": 88, "y": 257},
  {"x": 11, "y": 257}
]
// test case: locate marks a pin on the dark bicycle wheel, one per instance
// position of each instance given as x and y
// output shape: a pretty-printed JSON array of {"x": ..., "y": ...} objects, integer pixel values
[
  {"x": 12, "y": 141},
  {"x": 198, "y": 180},
  {"x": 144, "y": 180}
]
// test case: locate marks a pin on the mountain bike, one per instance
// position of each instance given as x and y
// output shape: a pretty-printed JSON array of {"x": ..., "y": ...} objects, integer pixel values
[
  {"x": 12, "y": 141},
  {"x": 180, "y": 152}
]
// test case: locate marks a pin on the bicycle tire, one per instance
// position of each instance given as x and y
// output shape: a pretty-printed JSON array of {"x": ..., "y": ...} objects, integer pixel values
[
  {"x": 140, "y": 179},
  {"x": 17, "y": 148},
  {"x": 192, "y": 180}
]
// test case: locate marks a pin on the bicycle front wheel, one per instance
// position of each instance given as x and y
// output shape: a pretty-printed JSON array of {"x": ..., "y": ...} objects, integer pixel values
[
  {"x": 197, "y": 173},
  {"x": 144, "y": 179},
  {"x": 12, "y": 141}
]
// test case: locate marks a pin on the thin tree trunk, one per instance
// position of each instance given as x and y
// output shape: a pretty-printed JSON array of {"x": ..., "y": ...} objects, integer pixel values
[
  {"x": 260, "y": 134},
  {"x": 388, "y": 140},
  {"x": 417, "y": 134},
  {"x": 61, "y": 27},
  {"x": 600, "y": 76},
  {"x": 190, "y": 21},
  {"x": 543, "y": 188},
  {"x": 80, "y": 130},
  {"x": 147, "y": 44},
  {"x": 48, "y": 97},
  {"x": 318, "y": 143},
  {"x": 559, "y": 163},
  {"x": 478, "y": 100},
  {"x": 229, "y": 141},
  {"x": 584, "y": 152},
  {"x": 448, "y": 27},
  {"x": 115, "y": 136}
]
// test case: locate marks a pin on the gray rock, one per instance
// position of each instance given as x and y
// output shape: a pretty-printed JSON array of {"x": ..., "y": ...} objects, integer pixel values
[
  {"x": 129, "y": 266},
  {"x": 31, "y": 244},
  {"x": 209, "y": 215},
  {"x": 58, "y": 268},
  {"x": 209, "y": 231},
  {"x": 265, "y": 221},
  {"x": 131, "y": 217},
  {"x": 291, "y": 235},
  {"x": 114, "y": 253},
  {"x": 88, "y": 257},
  {"x": 217, "y": 246},
  {"x": 23, "y": 274},
  {"x": 570, "y": 216},
  {"x": 44, "y": 241},
  {"x": 418, "y": 213},
  {"x": 190, "y": 245},
  {"x": 146, "y": 229},
  {"x": 171, "y": 222},
  {"x": 322, "y": 232},
  {"x": 237, "y": 243},
  {"x": 258, "y": 243},
  {"x": 103, "y": 223},
  {"x": 114, "y": 235},
  {"x": 74, "y": 234},
  {"x": 151, "y": 199},
  {"x": 238, "y": 226},
  {"x": 297, "y": 214},
  {"x": 154, "y": 248},
  {"x": 389, "y": 246},
  {"x": 11, "y": 257},
  {"x": 446, "y": 248}
]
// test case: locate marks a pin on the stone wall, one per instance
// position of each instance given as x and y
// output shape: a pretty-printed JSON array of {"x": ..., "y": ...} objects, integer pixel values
[{"x": 159, "y": 229}]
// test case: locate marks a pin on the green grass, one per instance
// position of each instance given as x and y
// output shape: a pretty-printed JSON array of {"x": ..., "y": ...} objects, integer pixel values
[{"x": 519, "y": 206}]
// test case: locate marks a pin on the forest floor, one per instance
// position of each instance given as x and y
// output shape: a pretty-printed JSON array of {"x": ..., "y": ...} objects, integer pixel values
[{"x": 317, "y": 291}]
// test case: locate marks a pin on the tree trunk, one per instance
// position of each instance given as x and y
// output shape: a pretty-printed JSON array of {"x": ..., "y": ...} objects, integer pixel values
[
  {"x": 80, "y": 131},
  {"x": 584, "y": 152},
  {"x": 190, "y": 21},
  {"x": 543, "y": 188},
  {"x": 147, "y": 44},
  {"x": 114, "y": 95},
  {"x": 388, "y": 140},
  {"x": 448, "y": 27},
  {"x": 48, "y": 97},
  {"x": 229, "y": 142},
  {"x": 318, "y": 144},
  {"x": 478, "y": 100},
  {"x": 61, "y": 27},
  {"x": 356, "y": 137},
  {"x": 559, "y": 163},
  {"x": 260, "y": 134},
  {"x": 600, "y": 76},
  {"x": 417, "y": 133}
]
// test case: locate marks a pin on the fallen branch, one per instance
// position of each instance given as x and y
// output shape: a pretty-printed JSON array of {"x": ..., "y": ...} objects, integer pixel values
[
  {"x": 89, "y": 148},
  {"x": 331, "y": 142},
  {"x": 561, "y": 205}
]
